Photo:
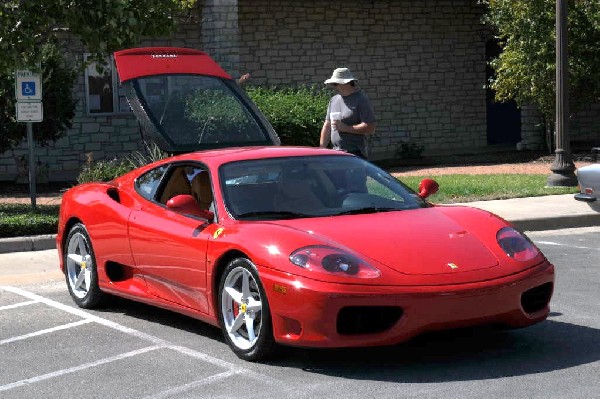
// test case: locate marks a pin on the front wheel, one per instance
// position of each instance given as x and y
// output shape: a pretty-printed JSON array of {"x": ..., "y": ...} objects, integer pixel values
[
  {"x": 80, "y": 268},
  {"x": 244, "y": 311}
]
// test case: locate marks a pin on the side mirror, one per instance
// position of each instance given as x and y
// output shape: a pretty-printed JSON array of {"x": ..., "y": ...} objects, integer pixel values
[
  {"x": 428, "y": 187},
  {"x": 186, "y": 204}
]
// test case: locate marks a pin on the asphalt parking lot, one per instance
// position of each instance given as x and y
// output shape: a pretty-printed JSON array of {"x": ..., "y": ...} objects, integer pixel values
[{"x": 52, "y": 349}]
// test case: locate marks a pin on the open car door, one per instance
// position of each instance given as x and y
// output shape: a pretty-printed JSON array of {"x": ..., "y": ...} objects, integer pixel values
[{"x": 184, "y": 101}]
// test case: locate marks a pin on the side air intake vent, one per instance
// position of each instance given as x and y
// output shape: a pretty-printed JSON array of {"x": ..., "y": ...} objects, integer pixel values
[{"x": 114, "y": 194}]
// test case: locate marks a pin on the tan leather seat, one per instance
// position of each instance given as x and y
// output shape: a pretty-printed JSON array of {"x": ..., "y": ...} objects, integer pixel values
[
  {"x": 295, "y": 194},
  {"x": 201, "y": 190},
  {"x": 178, "y": 184}
]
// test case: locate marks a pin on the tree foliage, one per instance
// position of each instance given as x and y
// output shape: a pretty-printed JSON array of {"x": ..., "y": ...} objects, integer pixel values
[
  {"x": 525, "y": 70},
  {"x": 102, "y": 26},
  {"x": 31, "y": 34}
]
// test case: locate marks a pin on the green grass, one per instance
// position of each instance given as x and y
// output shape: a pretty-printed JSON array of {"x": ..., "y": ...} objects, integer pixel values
[
  {"x": 20, "y": 220},
  {"x": 468, "y": 188}
]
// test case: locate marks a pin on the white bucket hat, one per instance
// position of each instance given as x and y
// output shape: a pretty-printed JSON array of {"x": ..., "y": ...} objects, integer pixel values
[{"x": 341, "y": 76}]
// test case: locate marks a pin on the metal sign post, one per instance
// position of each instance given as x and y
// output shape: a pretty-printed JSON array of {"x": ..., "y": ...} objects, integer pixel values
[
  {"x": 28, "y": 92},
  {"x": 32, "y": 171}
]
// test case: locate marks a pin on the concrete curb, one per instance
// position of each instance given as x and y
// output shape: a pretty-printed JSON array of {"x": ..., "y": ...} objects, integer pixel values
[
  {"x": 557, "y": 223},
  {"x": 27, "y": 243}
]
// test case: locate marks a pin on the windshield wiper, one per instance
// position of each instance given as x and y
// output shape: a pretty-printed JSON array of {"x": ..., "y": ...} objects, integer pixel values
[
  {"x": 275, "y": 214},
  {"x": 367, "y": 209}
]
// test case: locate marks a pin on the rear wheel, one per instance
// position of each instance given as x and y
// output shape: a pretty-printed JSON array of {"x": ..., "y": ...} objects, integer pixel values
[
  {"x": 80, "y": 268},
  {"x": 244, "y": 311}
]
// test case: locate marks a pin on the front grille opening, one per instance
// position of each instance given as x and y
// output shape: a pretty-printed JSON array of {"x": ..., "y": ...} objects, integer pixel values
[
  {"x": 537, "y": 298},
  {"x": 367, "y": 319}
]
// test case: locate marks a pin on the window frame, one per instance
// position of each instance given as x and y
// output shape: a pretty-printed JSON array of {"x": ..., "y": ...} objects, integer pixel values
[{"x": 118, "y": 93}]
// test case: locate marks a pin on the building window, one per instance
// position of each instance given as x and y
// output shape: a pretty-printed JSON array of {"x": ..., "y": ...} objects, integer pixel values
[{"x": 104, "y": 94}]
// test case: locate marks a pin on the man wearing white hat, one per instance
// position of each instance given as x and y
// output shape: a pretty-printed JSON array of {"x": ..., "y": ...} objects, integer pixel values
[{"x": 350, "y": 117}]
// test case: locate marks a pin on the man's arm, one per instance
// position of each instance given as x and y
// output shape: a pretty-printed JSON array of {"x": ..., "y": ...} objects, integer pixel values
[
  {"x": 361, "y": 128},
  {"x": 325, "y": 134}
]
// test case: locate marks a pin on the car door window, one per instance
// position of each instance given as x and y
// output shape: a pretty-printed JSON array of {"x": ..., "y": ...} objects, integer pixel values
[{"x": 147, "y": 184}]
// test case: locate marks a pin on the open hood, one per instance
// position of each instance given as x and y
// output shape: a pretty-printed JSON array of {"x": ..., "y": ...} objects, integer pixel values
[{"x": 184, "y": 101}]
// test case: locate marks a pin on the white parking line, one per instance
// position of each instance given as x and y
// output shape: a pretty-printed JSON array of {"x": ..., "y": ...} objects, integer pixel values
[
  {"x": 158, "y": 343},
  {"x": 75, "y": 369},
  {"x": 192, "y": 385},
  {"x": 17, "y": 305},
  {"x": 46, "y": 331},
  {"x": 107, "y": 323},
  {"x": 557, "y": 244}
]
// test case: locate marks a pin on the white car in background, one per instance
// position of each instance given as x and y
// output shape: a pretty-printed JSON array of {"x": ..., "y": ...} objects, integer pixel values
[{"x": 589, "y": 183}]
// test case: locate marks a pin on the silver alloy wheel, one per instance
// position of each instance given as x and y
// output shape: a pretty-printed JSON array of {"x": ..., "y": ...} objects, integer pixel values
[
  {"x": 79, "y": 265},
  {"x": 241, "y": 308}
]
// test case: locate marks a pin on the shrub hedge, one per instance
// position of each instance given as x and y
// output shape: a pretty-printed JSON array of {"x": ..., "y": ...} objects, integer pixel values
[
  {"x": 296, "y": 113},
  {"x": 20, "y": 220}
]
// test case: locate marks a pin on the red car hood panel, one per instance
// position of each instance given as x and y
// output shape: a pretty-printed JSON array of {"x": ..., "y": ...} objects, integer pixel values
[{"x": 416, "y": 242}]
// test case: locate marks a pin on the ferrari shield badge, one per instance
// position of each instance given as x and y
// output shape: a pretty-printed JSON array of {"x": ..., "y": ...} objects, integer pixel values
[
  {"x": 452, "y": 266},
  {"x": 218, "y": 232}
]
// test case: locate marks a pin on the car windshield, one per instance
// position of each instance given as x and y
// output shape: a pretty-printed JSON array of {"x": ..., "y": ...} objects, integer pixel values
[
  {"x": 192, "y": 110},
  {"x": 311, "y": 186}
]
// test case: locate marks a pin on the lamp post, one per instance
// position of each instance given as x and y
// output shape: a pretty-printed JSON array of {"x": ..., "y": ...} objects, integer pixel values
[{"x": 563, "y": 167}]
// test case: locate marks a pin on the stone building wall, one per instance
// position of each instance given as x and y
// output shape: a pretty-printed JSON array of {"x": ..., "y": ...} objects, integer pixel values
[
  {"x": 422, "y": 64},
  {"x": 584, "y": 129}
]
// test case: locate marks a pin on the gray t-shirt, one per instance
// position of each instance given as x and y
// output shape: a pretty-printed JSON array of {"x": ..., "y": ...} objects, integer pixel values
[{"x": 355, "y": 108}]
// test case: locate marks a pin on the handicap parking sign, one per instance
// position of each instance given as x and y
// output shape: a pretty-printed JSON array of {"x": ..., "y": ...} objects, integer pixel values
[{"x": 28, "y": 86}]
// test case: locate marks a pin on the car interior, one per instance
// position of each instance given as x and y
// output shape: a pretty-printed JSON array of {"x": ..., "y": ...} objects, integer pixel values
[{"x": 193, "y": 197}]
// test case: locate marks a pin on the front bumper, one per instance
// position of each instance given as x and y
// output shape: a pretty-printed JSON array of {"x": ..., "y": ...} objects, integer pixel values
[
  {"x": 310, "y": 313},
  {"x": 585, "y": 197}
]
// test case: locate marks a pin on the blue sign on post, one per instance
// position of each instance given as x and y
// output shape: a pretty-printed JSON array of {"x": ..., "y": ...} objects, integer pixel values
[{"x": 28, "y": 88}]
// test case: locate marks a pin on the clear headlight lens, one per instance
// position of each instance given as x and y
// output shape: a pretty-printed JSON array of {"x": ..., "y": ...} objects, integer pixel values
[
  {"x": 329, "y": 260},
  {"x": 516, "y": 245}
]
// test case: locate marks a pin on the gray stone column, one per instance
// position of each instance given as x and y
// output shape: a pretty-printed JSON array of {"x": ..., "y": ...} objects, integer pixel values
[{"x": 220, "y": 33}]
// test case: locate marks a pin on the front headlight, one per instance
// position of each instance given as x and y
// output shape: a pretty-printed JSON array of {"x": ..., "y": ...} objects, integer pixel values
[
  {"x": 329, "y": 260},
  {"x": 516, "y": 245}
]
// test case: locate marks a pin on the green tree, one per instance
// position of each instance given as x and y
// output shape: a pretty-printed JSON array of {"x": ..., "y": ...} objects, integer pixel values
[
  {"x": 525, "y": 70},
  {"x": 31, "y": 32},
  {"x": 102, "y": 26}
]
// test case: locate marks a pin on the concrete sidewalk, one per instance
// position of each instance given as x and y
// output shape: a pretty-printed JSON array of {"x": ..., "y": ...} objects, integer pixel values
[
  {"x": 528, "y": 214},
  {"x": 549, "y": 212}
]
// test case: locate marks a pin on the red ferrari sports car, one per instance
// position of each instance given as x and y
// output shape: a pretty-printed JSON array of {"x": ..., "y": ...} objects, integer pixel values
[{"x": 282, "y": 245}]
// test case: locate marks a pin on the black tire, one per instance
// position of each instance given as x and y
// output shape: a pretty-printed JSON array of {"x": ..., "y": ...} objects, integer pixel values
[
  {"x": 81, "y": 273},
  {"x": 249, "y": 308}
]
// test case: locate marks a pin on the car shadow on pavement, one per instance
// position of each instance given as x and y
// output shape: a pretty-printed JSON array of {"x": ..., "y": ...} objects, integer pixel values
[
  {"x": 459, "y": 355},
  {"x": 455, "y": 355},
  {"x": 156, "y": 315}
]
